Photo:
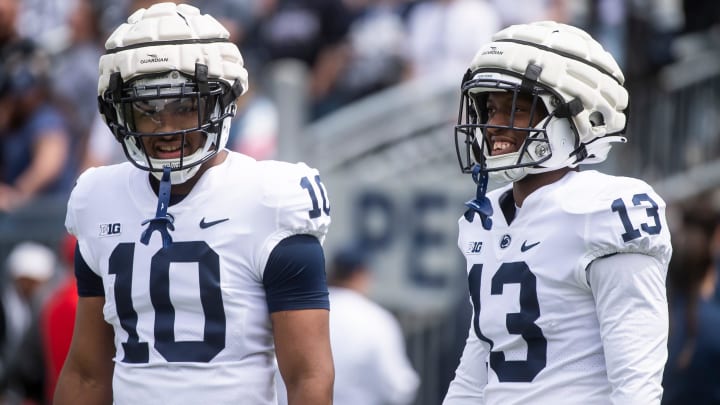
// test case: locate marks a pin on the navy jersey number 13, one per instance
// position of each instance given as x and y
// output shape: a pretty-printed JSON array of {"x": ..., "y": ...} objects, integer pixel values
[{"x": 522, "y": 323}]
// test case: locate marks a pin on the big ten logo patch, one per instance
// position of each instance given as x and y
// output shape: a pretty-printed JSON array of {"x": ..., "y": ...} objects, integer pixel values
[
  {"x": 473, "y": 248},
  {"x": 110, "y": 229}
]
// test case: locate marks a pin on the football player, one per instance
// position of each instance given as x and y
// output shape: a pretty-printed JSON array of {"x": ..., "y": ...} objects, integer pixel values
[
  {"x": 196, "y": 266},
  {"x": 566, "y": 268}
]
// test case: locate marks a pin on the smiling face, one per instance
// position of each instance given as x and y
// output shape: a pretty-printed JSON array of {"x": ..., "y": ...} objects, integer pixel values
[{"x": 504, "y": 116}]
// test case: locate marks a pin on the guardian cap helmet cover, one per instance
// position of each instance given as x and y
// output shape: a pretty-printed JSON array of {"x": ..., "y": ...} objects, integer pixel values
[
  {"x": 170, "y": 66},
  {"x": 560, "y": 66}
]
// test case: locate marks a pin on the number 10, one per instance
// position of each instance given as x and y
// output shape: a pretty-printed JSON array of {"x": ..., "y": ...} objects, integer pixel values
[{"x": 315, "y": 211}]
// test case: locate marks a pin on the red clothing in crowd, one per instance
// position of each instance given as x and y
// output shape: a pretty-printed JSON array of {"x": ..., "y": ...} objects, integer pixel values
[{"x": 58, "y": 320}]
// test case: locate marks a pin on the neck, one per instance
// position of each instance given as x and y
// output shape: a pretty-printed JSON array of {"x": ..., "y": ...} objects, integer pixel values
[
  {"x": 528, "y": 184},
  {"x": 185, "y": 188}
]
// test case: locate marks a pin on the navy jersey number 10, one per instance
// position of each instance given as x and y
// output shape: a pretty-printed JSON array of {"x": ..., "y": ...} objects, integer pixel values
[{"x": 201, "y": 351}]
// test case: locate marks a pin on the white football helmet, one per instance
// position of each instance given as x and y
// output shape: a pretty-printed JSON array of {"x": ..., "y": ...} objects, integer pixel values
[
  {"x": 578, "y": 82},
  {"x": 165, "y": 59}
]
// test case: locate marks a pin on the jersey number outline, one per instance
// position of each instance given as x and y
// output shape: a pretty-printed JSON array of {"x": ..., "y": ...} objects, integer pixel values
[
  {"x": 630, "y": 231},
  {"x": 202, "y": 351},
  {"x": 307, "y": 185},
  {"x": 521, "y": 323}
]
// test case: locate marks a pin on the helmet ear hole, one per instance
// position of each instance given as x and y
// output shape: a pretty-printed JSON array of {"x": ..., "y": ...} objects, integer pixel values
[{"x": 597, "y": 119}]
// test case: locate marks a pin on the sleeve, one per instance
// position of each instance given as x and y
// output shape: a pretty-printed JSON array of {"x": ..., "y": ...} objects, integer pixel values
[
  {"x": 631, "y": 304},
  {"x": 294, "y": 277},
  {"x": 298, "y": 203},
  {"x": 71, "y": 223},
  {"x": 77, "y": 214},
  {"x": 624, "y": 216},
  {"x": 467, "y": 388},
  {"x": 89, "y": 284}
]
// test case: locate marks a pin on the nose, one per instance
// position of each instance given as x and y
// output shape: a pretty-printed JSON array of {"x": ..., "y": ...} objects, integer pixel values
[
  {"x": 497, "y": 123},
  {"x": 163, "y": 124}
]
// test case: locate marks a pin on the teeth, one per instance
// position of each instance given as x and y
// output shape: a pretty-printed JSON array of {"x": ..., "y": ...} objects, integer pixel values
[
  {"x": 501, "y": 146},
  {"x": 167, "y": 148}
]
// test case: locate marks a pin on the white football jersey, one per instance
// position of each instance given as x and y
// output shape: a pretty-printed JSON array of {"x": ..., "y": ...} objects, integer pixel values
[
  {"x": 191, "y": 321},
  {"x": 535, "y": 334}
]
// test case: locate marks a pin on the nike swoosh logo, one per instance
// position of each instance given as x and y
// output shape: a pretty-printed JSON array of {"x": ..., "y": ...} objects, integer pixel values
[
  {"x": 525, "y": 247},
  {"x": 204, "y": 225}
]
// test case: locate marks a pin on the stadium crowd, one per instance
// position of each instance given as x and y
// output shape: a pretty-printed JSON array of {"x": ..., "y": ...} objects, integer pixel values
[{"x": 50, "y": 131}]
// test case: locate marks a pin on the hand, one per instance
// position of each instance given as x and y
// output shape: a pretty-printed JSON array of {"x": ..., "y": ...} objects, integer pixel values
[{"x": 11, "y": 198}]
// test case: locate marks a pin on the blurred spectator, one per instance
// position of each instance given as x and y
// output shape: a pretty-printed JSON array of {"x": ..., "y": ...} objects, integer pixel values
[
  {"x": 445, "y": 34},
  {"x": 691, "y": 374},
  {"x": 9, "y": 42},
  {"x": 75, "y": 71},
  {"x": 30, "y": 266},
  {"x": 255, "y": 126},
  {"x": 700, "y": 33},
  {"x": 371, "y": 363},
  {"x": 102, "y": 148},
  {"x": 651, "y": 27},
  {"x": 607, "y": 19},
  {"x": 8, "y": 21},
  {"x": 33, "y": 135},
  {"x": 525, "y": 11},
  {"x": 715, "y": 252},
  {"x": 58, "y": 317},
  {"x": 378, "y": 50},
  {"x": 44, "y": 21},
  {"x": 311, "y": 31},
  {"x": 700, "y": 15}
]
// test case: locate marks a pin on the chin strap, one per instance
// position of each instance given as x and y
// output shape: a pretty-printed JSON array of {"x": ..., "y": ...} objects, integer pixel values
[
  {"x": 162, "y": 221},
  {"x": 481, "y": 204}
]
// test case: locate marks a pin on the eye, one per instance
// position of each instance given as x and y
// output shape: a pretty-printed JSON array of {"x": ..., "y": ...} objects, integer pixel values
[
  {"x": 522, "y": 106},
  {"x": 144, "y": 108},
  {"x": 491, "y": 110},
  {"x": 184, "y": 106}
]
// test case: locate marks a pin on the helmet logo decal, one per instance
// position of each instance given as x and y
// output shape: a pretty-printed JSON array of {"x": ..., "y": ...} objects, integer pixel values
[
  {"x": 154, "y": 58},
  {"x": 493, "y": 51}
]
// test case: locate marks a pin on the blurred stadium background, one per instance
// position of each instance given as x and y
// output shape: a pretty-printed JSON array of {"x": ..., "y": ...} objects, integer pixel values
[{"x": 388, "y": 163}]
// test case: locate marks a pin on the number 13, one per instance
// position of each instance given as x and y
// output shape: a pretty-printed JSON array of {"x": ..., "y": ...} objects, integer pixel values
[{"x": 630, "y": 231}]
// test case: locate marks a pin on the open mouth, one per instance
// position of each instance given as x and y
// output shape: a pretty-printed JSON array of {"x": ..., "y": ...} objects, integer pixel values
[
  {"x": 170, "y": 150},
  {"x": 502, "y": 147}
]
